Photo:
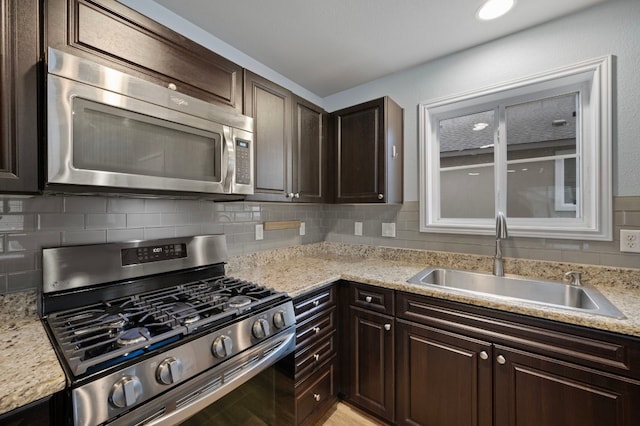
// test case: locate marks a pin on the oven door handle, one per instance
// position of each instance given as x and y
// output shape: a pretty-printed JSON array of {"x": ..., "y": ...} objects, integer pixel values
[{"x": 236, "y": 372}]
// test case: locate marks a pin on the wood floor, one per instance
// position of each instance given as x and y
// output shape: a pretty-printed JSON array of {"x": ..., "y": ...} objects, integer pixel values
[{"x": 342, "y": 414}]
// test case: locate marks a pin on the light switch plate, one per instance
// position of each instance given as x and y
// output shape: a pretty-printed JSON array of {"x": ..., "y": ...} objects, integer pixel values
[
  {"x": 389, "y": 229},
  {"x": 357, "y": 229},
  {"x": 303, "y": 229},
  {"x": 259, "y": 231}
]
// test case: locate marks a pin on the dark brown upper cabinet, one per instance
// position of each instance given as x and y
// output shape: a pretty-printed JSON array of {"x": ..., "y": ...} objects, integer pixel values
[
  {"x": 20, "y": 53},
  {"x": 309, "y": 151},
  {"x": 367, "y": 162},
  {"x": 114, "y": 35},
  {"x": 289, "y": 143}
]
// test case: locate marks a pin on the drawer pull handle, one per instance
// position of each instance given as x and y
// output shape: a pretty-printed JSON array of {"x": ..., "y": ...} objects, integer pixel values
[
  {"x": 484, "y": 355},
  {"x": 172, "y": 86},
  {"x": 316, "y": 303},
  {"x": 387, "y": 327},
  {"x": 501, "y": 360},
  {"x": 316, "y": 396},
  {"x": 316, "y": 357},
  {"x": 368, "y": 299},
  {"x": 316, "y": 330}
]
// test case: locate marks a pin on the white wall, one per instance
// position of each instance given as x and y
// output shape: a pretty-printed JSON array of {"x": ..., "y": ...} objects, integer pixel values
[{"x": 611, "y": 28}]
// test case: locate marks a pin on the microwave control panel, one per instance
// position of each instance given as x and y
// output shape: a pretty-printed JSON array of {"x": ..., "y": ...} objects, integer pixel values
[{"x": 243, "y": 162}]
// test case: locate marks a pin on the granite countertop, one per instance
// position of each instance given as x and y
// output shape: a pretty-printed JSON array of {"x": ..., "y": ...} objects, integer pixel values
[
  {"x": 28, "y": 363},
  {"x": 27, "y": 357}
]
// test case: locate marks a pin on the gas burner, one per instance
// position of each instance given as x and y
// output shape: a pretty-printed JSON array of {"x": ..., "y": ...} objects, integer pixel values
[
  {"x": 133, "y": 336},
  {"x": 186, "y": 312},
  {"x": 238, "y": 301},
  {"x": 110, "y": 323}
]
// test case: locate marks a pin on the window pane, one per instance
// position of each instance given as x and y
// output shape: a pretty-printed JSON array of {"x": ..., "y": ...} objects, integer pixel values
[
  {"x": 466, "y": 166},
  {"x": 541, "y": 158}
]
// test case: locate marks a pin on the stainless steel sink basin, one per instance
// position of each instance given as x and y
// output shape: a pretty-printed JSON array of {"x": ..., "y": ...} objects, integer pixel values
[{"x": 581, "y": 298}]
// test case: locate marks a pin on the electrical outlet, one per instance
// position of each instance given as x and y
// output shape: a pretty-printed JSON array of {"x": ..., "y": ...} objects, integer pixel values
[
  {"x": 630, "y": 240},
  {"x": 303, "y": 228},
  {"x": 389, "y": 229},
  {"x": 259, "y": 231},
  {"x": 357, "y": 229}
]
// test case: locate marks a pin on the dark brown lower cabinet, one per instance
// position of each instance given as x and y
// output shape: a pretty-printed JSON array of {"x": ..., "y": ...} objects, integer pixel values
[
  {"x": 463, "y": 365},
  {"x": 443, "y": 378},
  {"x": 532, "y": 390},
  {"x": 371, "y": 362}
]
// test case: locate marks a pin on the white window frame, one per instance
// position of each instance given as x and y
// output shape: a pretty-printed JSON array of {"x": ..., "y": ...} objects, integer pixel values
[{"x": 593, "y": 81}]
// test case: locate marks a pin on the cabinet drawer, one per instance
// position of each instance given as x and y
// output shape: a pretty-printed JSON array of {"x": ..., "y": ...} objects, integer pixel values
[
  {"x": 372, "y": 298},
  {"x": 315, "y": 328},
  {"x": 310, "y": 304},
  {"x": 316, "y": 394},
  {"x": 310, "y": 357}
]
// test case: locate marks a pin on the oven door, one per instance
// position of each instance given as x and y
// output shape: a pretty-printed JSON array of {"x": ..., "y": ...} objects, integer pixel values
[{"x": 253, "y": 387}]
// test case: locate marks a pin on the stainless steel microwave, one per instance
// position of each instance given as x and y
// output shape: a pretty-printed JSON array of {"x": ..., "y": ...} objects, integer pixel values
[{"x": 107, "y": 130}]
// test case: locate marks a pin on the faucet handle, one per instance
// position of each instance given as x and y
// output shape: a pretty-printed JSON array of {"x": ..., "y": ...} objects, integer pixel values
[{"x": 574, "y": 276}]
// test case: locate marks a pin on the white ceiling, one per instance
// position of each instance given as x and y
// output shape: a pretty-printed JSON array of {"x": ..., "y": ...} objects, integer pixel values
[{"x": 327, "y": 46}]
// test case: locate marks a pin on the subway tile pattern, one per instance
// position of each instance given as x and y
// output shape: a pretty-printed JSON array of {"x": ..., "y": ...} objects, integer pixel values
[
  {"x": 29, "y": 224},
  {"x": 339, "y": 225}
]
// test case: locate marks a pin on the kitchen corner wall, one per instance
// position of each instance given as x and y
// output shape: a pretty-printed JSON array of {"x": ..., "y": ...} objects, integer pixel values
[{"x": 29, "y": 224}]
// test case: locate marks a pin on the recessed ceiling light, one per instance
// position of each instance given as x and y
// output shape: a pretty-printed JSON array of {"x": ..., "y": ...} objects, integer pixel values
[{"x": 493, "y": 9}]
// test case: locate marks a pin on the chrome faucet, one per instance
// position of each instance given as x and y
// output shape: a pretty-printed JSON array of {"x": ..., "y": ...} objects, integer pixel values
[{"x": 501, "y": 234}]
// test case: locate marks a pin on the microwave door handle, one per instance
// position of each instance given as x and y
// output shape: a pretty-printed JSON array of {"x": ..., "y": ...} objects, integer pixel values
[{"x": 228, "y": 160}]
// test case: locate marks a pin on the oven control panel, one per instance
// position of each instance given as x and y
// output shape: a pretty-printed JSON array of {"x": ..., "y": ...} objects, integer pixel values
[{"x": 146, "y": 254}]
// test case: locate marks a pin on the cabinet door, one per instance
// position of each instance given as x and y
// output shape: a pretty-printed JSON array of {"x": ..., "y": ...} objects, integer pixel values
[
  {"x": 270, "y": 107},
  {"x": 309, "y": 151},
  {"x": 532, "y": 390},
  {"x": 113, "y": 34},
  {"x": 367, "y": 153},
  {"x": 443, "y": 378},
  {"x": 19, "y": 59},
  {"x": 371, "y": 381},
  {"x": 359, "y": 137}
]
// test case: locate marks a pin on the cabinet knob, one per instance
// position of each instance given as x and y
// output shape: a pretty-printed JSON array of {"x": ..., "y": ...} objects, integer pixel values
[
  {"x": 316, "y": 330},
  {"x": 316, "y": 357},
  {"x": 316, "y": 303},
  {"x": 501, "y": 360},
  {"x": 289, "y": 195},
  {"x": 387, "y": 327},
  {"x": 380, "y": 196},
  {"x": 296, "y": 195},
  {"x": 368, "y": 299},
  {"x": 484, "y": 355},
  {"x": 316, "y": 396},
  {"x": 172, "y": 86}
]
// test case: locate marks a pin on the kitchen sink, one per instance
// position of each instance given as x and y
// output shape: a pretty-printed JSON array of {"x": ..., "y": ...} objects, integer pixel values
[{"x": 582, "y": 298}]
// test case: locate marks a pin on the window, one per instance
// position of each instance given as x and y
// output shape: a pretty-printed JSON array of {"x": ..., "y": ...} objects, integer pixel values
[{"x": 537, "y": 149}]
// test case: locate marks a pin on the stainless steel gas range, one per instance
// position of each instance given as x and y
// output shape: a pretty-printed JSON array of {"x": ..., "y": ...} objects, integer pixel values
[{"x": 153, "y": 332}]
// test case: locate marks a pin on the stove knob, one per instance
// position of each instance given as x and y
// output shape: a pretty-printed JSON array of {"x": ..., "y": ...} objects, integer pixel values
[
  {"x": 278, "y": 319},
  {"x": 169, "y": 371},
  {"x": 260, "y": 329},
  {"x": 222, "y": 346},
  {"x": 125, "y": 392}
]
